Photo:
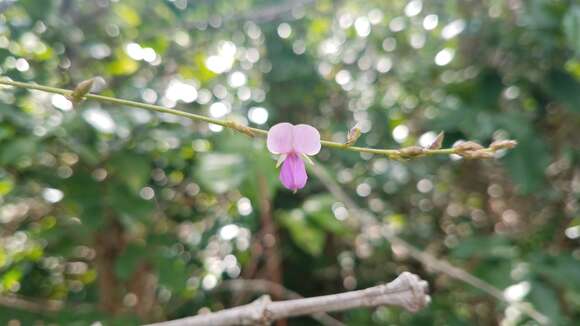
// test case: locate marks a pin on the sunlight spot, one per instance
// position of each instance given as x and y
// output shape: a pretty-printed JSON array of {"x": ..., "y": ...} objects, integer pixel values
[
  {"x": 149, "y": 55},
  {"x": 218, "y": 110},
  {"x": 384, "y": 64},
  {"x": 230, "y": 231},
  {"x": 517, "y": 292},
  {"x": 237, "y": 79},
  {"x": 215, "y": 128},
  {"x": 363, "y": 189},
  {"x": 180, "y": 91},
  {"x": 400, "y": 133},
  {"x": 375, "y": 16},
  {"x": 252, "y": 55},
  {"x": 417, "y": 40},
  {"x": 244, "y": 206},
  {"x": 397, "y": 24},
  {"x": 453, "y": 29},
  {"x": 424, "y": 185},
  {"x": 135, "y": 51},
  {"x": 100, "y": 120},
  {"x": 258, "y": 115},
  {"x": 61, "y": 102},
  {"x": 147, "y": 193},
  {"x": 284, "y": 30},
  {"x": 22, "y": 65},
  {"x": 343, "y": 77},
  {"x": 209, "y": 282},
  {"x": 362, "y": 25},
  {"x": 345, "y": 20},
  {"x": 444, "y": 56},
  {"x": 573, "y": 232},
  {"x": 413, "y": 8},
  {"x": 224, "y": 59},
  {"x": 427, "y": 138},
  {"x": 52, "y": 195},
  {"x": 430, "y": 22}
]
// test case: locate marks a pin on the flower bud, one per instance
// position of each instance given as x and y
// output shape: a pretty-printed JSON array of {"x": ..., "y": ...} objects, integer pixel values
[
  {"x": 353, "y": 135},
  {"x": 82, "y": 89},
  {"x": 438, "y": 142},
  {"x": 467, "y": 146},
  {"x": 412, "y": 151},
  {"x": 503, "y": 144}
]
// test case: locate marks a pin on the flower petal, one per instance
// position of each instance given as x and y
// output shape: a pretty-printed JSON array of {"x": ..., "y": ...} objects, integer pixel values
[
  {"x": 306, "y": 139},
  {"x": 293, "y": 173},
  {"x": 279, "y": 139}
]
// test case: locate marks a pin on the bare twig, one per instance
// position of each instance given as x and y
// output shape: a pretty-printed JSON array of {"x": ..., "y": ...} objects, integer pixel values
[
  {"x": 403, "y": 153},
  {"x": 430, "y": 261},
  {"x": 264, "y": 286},
  {"x": 407, "y": 291}
]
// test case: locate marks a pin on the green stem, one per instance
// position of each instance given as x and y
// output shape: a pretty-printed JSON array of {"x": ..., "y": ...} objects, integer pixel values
[{"x": 391, "y": 153}]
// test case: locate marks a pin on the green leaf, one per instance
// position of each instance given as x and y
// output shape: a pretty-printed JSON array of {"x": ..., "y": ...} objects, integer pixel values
[
  {"x": 128, "y": 204},
  {"x": 318, "y": 210},
  {"x": 571, "y": 26},
  {"x": 130, "y": 258},
  {"x": 485, "y": 247},
  {"x": 16, "y": 150},
  {"x": 6, "y": 187},
  {"x": 172, "y": 272},
  {"x": 221, "y": 172},
  {"x": 564, "y": 88},
  {"x": 83, "y": 197},
  {"x": 562, "y": 270},
  {"x": 133, "y": 169},
  {"x": 527, "y": 163},
  {"x": 306, "y": 236},
  {"x": 546, "y": 300}
]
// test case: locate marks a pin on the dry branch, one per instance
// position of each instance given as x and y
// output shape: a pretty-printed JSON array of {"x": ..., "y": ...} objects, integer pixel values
[{"x": 407, "y": 291}]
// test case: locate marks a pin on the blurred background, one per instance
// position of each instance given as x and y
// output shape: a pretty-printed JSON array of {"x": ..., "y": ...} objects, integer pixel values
[{"x": 118, "y": 216}]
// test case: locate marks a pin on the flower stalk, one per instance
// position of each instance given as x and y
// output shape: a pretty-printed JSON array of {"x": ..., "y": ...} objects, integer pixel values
[{"x": 484, "y": 152}]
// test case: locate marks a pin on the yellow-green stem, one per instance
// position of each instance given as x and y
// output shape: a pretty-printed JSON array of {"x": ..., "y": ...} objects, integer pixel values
[{"x": 392, "y": 153}]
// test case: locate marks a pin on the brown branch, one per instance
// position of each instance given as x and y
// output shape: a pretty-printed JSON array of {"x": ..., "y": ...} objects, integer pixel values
[
  {"x": 273, "y": 262},
  {"x": 109, "y": 245},
  {"x": 407, "y": 291},
  {"x": 263, "y": 286}
]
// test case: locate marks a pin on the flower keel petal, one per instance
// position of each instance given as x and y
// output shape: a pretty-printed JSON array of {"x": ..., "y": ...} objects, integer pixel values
[{"x": 293, "y": 173}]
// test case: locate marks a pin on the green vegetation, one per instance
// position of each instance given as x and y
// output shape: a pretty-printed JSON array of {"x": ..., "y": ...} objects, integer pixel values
[{"x": 126, "y": 216}]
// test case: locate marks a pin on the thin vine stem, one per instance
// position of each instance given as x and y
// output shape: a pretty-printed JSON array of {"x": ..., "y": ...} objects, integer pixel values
[{"x": 391, "y": 153}]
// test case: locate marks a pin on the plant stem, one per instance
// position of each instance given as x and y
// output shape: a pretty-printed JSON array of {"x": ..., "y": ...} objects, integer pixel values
[{"x": 391, "y": 153}]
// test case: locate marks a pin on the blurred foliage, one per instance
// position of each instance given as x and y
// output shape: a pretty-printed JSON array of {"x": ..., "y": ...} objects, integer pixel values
[{"x": 129, "y": 216}]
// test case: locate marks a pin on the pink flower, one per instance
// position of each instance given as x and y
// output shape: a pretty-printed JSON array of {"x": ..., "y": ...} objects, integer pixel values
[{"x": 293, "y": 144}]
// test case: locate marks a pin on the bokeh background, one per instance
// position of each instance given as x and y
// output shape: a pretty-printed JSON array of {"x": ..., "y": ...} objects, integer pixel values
[{"x": 116, "y": 215}]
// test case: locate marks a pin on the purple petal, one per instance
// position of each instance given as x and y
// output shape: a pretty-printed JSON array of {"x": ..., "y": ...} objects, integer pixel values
[
  {"x": 306, "y": 139},
  {"x": 293, "y": 173},
  {"x": 280, "y": 138}
]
